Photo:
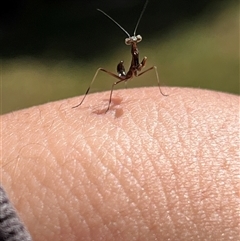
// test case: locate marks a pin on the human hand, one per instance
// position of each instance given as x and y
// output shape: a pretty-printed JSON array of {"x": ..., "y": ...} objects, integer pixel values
[{"x": 151, "y": 168}]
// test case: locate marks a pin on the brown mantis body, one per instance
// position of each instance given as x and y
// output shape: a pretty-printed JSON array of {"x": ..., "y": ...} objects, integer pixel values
[{"x": 135, "y": 66}]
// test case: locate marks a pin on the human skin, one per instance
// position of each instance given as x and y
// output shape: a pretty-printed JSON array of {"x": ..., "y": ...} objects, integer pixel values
[{"x": 151, "y": 168}]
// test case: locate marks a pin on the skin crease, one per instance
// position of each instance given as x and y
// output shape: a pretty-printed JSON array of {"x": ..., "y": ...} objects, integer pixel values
[{"x": 152, "y": 168}]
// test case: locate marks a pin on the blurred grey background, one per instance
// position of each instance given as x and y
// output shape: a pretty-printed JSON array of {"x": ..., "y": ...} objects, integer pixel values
[{"x": 50, "y": 50}]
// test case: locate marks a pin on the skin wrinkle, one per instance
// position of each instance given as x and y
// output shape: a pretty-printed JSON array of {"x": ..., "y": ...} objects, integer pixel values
[
  {"x": 191, "y": 191},
  {"x": 170, "y": 149},
  {"x": 59, "y": 173},
  {"x": 181, "y": 194},
  {"x": 215, "y": 206},
  {"x": 100, "y": 142},
  {"x": 196, "y": 196},
  {"x": 98, "y": 192},
  {"x": 142, "y": 193},
  {"x": 128, "y": 163},
  {"x": 125, "y": 192},
  {"x": 82, "y": 214},
  {"x": 116, "y": 155},
  {"x": 171, "y": 180},
  {"x": 97, "y": 211},
  {"x": 90, "y": 182},
  {"x": 162, "y": 187},
  {"x": 146, "y": 154},
  {"x": 144, "y": 130},
  {"x": 141, "y": 123},
  {"x": 151, "y": 127},
  {"x": 26, "y": 207},
  {"x": 132, "y": 143},
  {"x": 169, "y": 202},
  {"x": 124, "y": 141},
  {"x": 203, "y": 182},
  {"x": 171, "y": 215},
  {"x": 76, "y": 197},
  {"x": 173, "y": 199}
]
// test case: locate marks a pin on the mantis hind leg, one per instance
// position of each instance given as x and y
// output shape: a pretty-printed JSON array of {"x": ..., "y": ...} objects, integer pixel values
[
  {"x": 94, "y": 77},
  {"x": 156, "y": 72}
]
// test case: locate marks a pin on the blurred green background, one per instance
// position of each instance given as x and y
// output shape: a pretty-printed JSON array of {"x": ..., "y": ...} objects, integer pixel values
[{"x": 50, "y": 50}]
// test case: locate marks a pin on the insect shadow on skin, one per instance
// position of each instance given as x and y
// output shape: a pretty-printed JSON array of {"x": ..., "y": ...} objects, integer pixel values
[
  {"x": 116, "y": 101},
  {"x": 135, "y": 67}
]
